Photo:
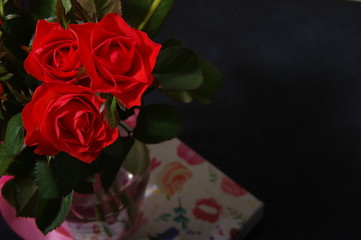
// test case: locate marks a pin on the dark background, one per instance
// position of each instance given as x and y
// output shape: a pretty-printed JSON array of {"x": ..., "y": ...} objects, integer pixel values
[{"x": 287, "y": 123}]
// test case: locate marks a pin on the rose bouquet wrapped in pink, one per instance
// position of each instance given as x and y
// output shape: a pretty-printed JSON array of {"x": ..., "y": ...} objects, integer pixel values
[{"x": 71, "y": 74}]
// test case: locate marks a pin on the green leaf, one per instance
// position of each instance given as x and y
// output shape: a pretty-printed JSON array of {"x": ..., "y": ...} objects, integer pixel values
[
  {"x": 137, "y": 160},
  {"x": 2, "y": 10},
  {"x": 6, "y": 77},
  {"x": 8, "y": 192},
  {"x": 111, "y": 110},
  {"x": 67, "y": 5},
  {"x": 3, "y": 70},
  {"x": 61, "y": 14},
  {"x": 157, "y": 123},
  {"x": 212, "y": 81},
  {"x": 172, "y": 42},
  {"x": 112, "y": 158},
  {"x": 12, "y": 16},
  {"x": 52, "y": 212},
  {"x": 84, "y": 10},
  {"x": 107, "y": 6},
  {"x": 178, "y": 69},
  {"x": 14, "y": 135},
  {"x": 60, "y": 177},
  {"x": 22, "y": 194},
  {"x": 41, "y": 9},
  {"x": 5, "y": 160},
  {"x": 23, "y": 164},
  {"x": 183, "y": 96},
  {"x": 20, "y": 97},
  {"x": 95, "y": 10},
  {"x": 147, "y": 15},
  {"x": 26, "y": 196}
]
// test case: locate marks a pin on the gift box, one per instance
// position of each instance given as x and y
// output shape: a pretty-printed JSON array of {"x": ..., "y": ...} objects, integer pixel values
[{"x": 186, "y": 198}]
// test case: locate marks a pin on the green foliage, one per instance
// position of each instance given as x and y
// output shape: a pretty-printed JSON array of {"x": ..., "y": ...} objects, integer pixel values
[
  {"x": 23, "y": 164},
  {"x": 52, "y": 212},
  {"x": 172, "y": 42},
  {"x": 212, "y": 81},
  {"x": 4, "y": 74},
  {"x": 5, "y": 159},
  {"x": 147, "y": 15},
  {"x": 137, "y": 160},
  {"x": 112, "y": 158},
  {"x": 59, "y": 177},
  {"x": 8, "y": 192},
  {"x": 157, "y": 123},
  {"x": 95, "y": 10},
  {"x": 84, "y": 11},
  {"x": 22, "y": 194},
  {"x": 183, "y": 76},
  {"x": 26, "y": 196},
  {"x": 18, "y": 27},
  {"x": 111, "y": 110},
  {"x": 107, "y": 6},
  {"x": 19, "y": 96},
  {"x": 178, "y": 69},
  {"x": 41, "y": 9},
  {"x": 180, "y": 96},
  {"x": 14, "y": 135},
  {"x": 61, "y": 14},
  {"x": 43, "y": 189}
]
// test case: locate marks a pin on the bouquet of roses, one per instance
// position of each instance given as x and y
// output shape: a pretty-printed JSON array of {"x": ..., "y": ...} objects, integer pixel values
[{"x": 71, "y": 74}]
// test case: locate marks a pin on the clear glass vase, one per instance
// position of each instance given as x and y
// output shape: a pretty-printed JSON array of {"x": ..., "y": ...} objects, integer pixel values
[{"x": 108, "y": 216}]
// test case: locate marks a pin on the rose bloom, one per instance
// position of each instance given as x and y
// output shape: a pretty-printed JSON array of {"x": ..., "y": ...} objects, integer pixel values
[
  {"x": 67, "y": 117},
  {"x": 172, "y": 177},
  {"x": 54, "y": 54},
  {"x": 118, "y": 58}
]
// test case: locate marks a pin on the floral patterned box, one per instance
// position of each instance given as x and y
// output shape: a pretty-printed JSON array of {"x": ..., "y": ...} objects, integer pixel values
[{"x": 188, "y": 198}]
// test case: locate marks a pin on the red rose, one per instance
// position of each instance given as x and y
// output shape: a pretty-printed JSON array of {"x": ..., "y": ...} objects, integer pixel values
[
  {"x": 54, "y": 54},
  {"x": 118, "y": 58},
  {"x": 67, "y": 117}
]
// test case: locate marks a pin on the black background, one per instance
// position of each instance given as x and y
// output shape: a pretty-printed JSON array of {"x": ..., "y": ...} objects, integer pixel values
[{"x": 287, "y": 122}]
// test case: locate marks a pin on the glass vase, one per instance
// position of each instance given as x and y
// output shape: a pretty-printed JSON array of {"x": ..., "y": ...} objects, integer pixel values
[{"x": 108, "y": 215}]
